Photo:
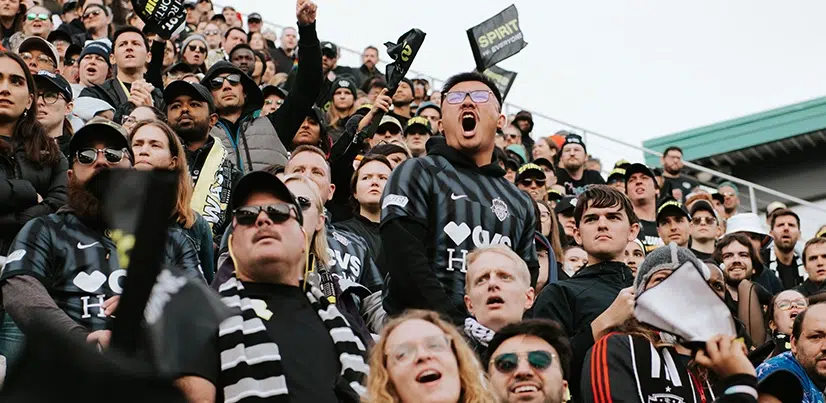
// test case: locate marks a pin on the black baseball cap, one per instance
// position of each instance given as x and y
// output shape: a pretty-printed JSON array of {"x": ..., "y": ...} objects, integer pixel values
[
  {"x": 261, "y": 181},
  {"x": 189, "y": 4},
  {"x": 566, "y": 205},
  {"x": 58, "y": 35},
  {"x": 68, "y": 7},
  {"x": 329, "y": 49},
  {"x": 530, "y": 170},
  {"x": 274, "y": 90},
  {"x": 639, "y": 168},
  {"x": 194, "y": 90},
  {"x": 419, "y": 122},
  {"x": 44, "y": 79},
  {"x": 703, "y": 205},
  {"x": 671, "y": 207},
  {"x": 103, "y": 129},
  {"x": 554, "y": 195},
  {"x": 254, "y": 17},
  {"x": 511, "y": 163}
]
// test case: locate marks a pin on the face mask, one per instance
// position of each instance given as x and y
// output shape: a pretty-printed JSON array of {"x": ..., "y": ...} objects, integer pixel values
[{"x": 702, "y": 315}]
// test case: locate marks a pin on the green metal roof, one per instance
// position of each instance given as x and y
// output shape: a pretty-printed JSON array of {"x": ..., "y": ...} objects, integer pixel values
[{"x": 743, "y": 132}]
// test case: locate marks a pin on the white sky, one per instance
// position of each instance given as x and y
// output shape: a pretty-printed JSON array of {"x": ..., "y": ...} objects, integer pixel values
[{"x": 629, "y": 69}]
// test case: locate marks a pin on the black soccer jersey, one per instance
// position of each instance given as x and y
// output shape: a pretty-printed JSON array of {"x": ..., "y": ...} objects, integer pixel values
[
  {"x": 350, "y": 258},
  {"x": 463, "y": 208},
  {"x": 79, "y": 266}
]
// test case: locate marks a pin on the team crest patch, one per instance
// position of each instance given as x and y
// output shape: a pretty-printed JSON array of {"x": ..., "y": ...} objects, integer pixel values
[
  {"x": 341, "y": 239},
  {"x": 665, "y": 398},
  {"x": 499, "y": 208}
]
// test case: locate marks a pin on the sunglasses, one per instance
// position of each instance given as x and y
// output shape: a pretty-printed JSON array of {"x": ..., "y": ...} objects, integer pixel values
[
  {"x": 511, "y": 136},
  {"x": 277, "y": 213},
  {"x": 69, "y": 62},
  {"x": 199, "y": 49},
  {"x": 87, "y": 156},
  {"x": 703, "y": 220},
  {"x": 457, "y": 97},
  {"x": 508, "y": 362},
  {"x": 527, "y": 182},
  {"x": 393, "y": 130},
  {"x": 218, "y": 82},
  {"x": 273, "y": 102},
  {"x": 786, "y": 305},
  {"x": 304, "y": 203},
  {"x": 91, "y": 14},
  {"x": 34, "y": 16}
]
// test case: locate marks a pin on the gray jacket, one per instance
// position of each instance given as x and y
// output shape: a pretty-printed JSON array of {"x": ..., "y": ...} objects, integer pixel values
[{"x": 259, "y": 145}]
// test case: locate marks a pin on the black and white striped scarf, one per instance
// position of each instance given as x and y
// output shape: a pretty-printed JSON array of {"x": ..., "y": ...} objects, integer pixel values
[{"x": 251, "y": 368}]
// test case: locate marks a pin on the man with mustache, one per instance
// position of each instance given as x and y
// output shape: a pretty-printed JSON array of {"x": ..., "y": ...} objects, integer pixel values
[
  {"x": 191, "y": 113},
  {"x": 781, "y": 258},
  {"x": 63, "y": 268},
  {"x": 798, "y": 375}
]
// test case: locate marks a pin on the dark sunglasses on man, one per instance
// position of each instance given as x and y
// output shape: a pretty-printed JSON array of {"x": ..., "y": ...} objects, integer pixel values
[
  {"x": 90, "y": 14},
  {"x": 218, "y": 82},
  {"x": 703, "y": 220},
  {"x": 392, "y": 129},
  {"x": 527, "y": 182},
  {"x": 86, "y": 156},
  {"x": 509, "y": 362},
  {"x": 195, "y": 48},
  {"x": 277, "y": 213}
]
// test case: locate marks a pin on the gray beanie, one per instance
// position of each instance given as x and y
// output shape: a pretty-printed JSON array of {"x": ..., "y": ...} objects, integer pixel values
[
  {"x": 669, "y": 257},
  {"x": 193, "y": 37}
]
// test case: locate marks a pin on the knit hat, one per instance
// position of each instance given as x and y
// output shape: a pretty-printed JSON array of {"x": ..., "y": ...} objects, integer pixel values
[
  {"x": 193, "y": 37},
  {"x": 97, "y": 48},
  {"x": 670, "y": 257},
  {"x": 344, "y": 82},
  {"x": 573, "y": 139}
]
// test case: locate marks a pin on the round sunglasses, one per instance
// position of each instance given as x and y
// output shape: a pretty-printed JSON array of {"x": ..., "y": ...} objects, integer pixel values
[
  {"x": 508, "y": 362},
  {"x": 86, "y": 156}
]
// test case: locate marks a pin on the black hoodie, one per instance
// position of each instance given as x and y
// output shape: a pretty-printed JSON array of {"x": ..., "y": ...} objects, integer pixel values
[
  {"x": 435, "y": 210},
  {"x": 576, "y": 302}
]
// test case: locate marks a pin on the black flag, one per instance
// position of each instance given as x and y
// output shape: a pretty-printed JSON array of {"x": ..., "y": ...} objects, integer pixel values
[
  {"x": 403, "y": 52},
  {"x": 137, "y": 209},
  {"x": 502, "y": 78},
  {"x": 496, "y": 39},
  {"x": 166, "y": 18}
]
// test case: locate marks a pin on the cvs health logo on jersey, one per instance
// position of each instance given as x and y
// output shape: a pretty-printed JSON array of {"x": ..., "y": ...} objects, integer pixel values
[
  {"x": 93, "y": 284},
  {"x": 459, "y": 234}
]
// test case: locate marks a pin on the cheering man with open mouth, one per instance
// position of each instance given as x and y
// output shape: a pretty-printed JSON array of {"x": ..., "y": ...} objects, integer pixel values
[{"x": 438, "y": 208}]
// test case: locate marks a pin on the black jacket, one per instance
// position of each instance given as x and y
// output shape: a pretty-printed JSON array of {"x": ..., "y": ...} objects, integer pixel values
[
  {"x": 20, "y": 182},
  {"x": 576, "y": 302},
  {"x": 112, "y": 92},
  {"x": 365, "y": 75},
  {"x": 808, "y": 288}
]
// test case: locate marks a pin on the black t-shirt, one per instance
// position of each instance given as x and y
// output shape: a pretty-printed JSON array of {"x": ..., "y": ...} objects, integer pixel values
[
  {"x": 308, "y": 355},
  {"x": 680, "y": 187},
  {"x": 701, "y": 255},
  {"x": 788, "y": 275},
  {"x": 575, "y": 187},
  {"x": 648, "y": 236}
]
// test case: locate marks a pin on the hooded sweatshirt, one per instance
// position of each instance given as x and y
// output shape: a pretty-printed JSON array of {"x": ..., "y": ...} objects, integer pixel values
[{"x": 435, "y": 210}]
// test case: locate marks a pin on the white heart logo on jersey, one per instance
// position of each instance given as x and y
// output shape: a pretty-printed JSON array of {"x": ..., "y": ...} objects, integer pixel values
[
  {"x": 89, "y": 282},
  {"x": 458, "y": 233}
]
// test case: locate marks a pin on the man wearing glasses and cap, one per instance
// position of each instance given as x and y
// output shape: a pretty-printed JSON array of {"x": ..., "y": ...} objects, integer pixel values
[
  {"x": 254, "y": 22},
  {"x": 39, "y": 54},
  {"x": 531, "y": 180},
  {"x": 63, "y": 268}
]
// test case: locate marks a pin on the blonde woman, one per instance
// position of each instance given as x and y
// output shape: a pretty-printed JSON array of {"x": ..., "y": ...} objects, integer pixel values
[
  {"x": 309, "y": 198},
  {"x": 421, "y": 358}
]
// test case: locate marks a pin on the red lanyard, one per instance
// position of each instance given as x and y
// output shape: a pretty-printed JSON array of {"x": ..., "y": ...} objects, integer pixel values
[{"x": 698, "y": 387}]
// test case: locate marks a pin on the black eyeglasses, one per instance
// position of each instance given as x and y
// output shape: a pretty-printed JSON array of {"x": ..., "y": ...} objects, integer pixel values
[
  {"x": 49, "y": 97},
  {"x": 277, "y": 213},
  {"x": 199, "y": 49},
  {"x": 87, "y": 156},
  {"x": 456, "y": 97},
  {"x": 218, "y": 82},
  {"x": 508, "y": 362},
  {"x": 304, "y": 203},
  {"x": 527, "y": 182}
]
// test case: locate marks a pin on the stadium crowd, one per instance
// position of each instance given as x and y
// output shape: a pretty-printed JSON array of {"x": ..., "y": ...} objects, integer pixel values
[{"x": 454, "y": 255}]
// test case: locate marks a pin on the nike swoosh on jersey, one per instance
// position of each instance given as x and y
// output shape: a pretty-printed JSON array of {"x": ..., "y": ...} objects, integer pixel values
[
  {"x": 453, "y": 196},
  {"x": 82, "y": 246}
]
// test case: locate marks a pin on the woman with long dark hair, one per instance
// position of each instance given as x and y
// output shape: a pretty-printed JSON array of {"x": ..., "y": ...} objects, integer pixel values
[{"x": 32, "y": 168}]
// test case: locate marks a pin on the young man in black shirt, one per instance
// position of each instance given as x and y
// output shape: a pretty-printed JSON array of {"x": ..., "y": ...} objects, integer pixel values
[
  {"x": 781, "y": 259},
  {"x": 573, "y": 175},
  {"x": 599, "y": 296},
  {"x": 438, "y": 208},
  {"x": 641, "y": 187},
  {"x": 674, "y": 223},
  {"x": 679, "y": 185},
  {"x": 705, "y": 229}
]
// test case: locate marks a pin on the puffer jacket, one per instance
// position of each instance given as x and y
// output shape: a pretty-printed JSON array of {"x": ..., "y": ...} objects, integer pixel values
[
  {"x": 20, "y": 182},
  {"x": 253, "y": 142},
  {"x": 111, "y": 92}
]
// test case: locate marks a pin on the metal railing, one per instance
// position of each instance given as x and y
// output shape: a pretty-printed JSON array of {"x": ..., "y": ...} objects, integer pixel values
[{"x": 604, "y": 147}]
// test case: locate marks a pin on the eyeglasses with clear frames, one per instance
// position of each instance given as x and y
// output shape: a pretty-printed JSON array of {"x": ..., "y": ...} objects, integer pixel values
[{"x": 406, "y": 353}]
